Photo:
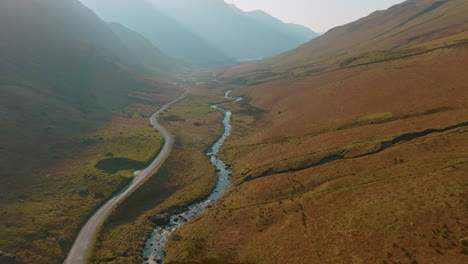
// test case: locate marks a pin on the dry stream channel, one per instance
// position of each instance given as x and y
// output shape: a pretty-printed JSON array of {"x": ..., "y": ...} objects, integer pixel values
[{"x": 154, "y": 247}]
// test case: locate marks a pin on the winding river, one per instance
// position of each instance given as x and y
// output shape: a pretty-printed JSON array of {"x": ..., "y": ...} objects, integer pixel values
[{"x": 154, "y": 247}]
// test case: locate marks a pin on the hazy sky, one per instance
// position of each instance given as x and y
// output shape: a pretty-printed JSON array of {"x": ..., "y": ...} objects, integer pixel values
[{"x": 319, "y": 15}]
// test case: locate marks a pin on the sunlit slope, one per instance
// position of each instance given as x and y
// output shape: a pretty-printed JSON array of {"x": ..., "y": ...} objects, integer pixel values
[
  {"x": 362, "y": 161},
  {"x": 408, "y": 28}
]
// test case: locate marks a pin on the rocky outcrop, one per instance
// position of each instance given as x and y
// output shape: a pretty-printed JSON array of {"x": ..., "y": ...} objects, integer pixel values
[
  {"x": 177, "y": 238},
  {"x": 160, "y": 219}
]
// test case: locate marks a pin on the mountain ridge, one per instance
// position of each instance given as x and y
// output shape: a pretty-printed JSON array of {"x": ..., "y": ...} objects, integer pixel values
[
  {"x": 239, "y": 34},
  {"x": 162, "y": 30},
  {"x": 379, "y": 35}
]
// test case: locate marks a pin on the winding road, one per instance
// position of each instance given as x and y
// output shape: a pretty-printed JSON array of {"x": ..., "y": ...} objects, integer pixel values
[{"x": 80, "y": 250}]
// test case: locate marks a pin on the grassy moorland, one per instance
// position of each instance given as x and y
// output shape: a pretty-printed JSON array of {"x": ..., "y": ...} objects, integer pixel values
[
  {"x": 353, "y": 162},
  {"x": 294, "y": 203},
  {"x": 403, "y": 205},
  {"x": 41, "y": 217},
  {"x": 186, "y": 176}
]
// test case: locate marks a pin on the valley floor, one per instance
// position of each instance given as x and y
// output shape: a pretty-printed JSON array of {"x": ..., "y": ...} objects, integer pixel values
[{"x": 186, "y": 176}]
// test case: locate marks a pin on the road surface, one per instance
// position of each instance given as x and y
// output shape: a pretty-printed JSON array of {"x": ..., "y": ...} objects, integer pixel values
[{"x": 83, "y": 243}]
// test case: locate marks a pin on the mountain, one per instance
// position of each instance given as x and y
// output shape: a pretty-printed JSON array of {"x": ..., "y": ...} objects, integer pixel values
[
  {"x": 297, "y": 32},
  {"x": 144, "y": 50},
  {"x": 401, "y": 29},
  {"x": 349, "y": 149},
  {"x": 241, "y": 35},
  {"x": 163, "y": 31},
  {"x": 63, "y": 75},
  {"x": 66, "y": 52},
  {"x": 61, "y": 63}
]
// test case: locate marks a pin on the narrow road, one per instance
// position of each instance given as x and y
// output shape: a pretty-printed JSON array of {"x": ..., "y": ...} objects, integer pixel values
[{"x": 80, "y": 250}]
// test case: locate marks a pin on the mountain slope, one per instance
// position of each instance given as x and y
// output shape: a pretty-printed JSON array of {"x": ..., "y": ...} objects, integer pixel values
[
  {"x": 66, "y": 82},
  {"x": 49, "y": 47},
  {"x": 240, "y": 34},
  {"x": 59, "y": 64},
  {"x": 58, "y": 20},
  {"x": 144, "y": 50},
  {"x": 403, "y": 29},
  {"x": 163, "y": 31},
  {"x": 349, "y": 149}
]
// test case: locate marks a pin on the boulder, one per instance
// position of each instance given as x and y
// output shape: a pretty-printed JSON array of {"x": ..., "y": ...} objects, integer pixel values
[
  {"x": 160, "y": 219},
  {"x": 83, "y": 192},
  {"x": 177, "y": 238},
  {"x": 8, "y": 259},
  {"x": 22, "y": 196},
  {"x": 210, "y": 203}
]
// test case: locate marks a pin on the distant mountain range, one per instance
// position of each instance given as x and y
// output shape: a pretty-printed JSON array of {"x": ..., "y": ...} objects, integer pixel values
[
  {"x": 205, "y": 32},
  {"x": 163, "y": 31},
  {"x": 237, "y": 33}
]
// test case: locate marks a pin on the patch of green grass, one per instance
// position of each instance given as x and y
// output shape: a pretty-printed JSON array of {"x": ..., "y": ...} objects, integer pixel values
[
  {"x": 114, "y": 165},
  {"x": 193, "y": 111}
]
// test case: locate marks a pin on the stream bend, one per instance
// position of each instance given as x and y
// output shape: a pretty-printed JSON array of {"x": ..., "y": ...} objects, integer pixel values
[{"x": 154, "y": 246}]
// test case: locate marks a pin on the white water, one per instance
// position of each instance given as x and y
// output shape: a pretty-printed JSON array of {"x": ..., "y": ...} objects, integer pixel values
[{"x": 154, "y": 247}]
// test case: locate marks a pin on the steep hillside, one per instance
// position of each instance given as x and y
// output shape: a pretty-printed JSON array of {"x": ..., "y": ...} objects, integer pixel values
[
  {"x": 149, "y": 55},
  {"x": 71, "y": 91},
  {"x": 61, "y": 20},
  {"x": 360, "y": 160},
  {"x": 59, "y": 60},
  {"x": 163, "y": 31},
  {"x": 404, "y": 29},
  {"x": 241, "y": 35}
]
